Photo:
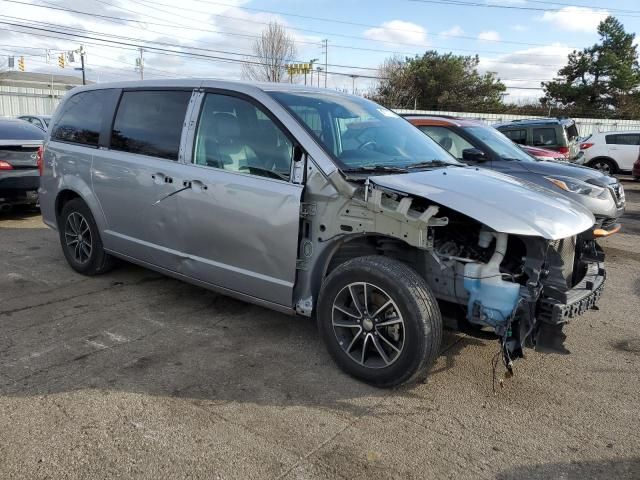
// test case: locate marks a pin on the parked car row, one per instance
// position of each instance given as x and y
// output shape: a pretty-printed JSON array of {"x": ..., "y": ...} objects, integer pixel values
[
  {"x": 327, "y": 205},
  {"x": 475, "y": 143}
]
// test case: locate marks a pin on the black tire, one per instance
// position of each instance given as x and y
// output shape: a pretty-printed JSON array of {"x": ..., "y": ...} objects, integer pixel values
[
  {"x": 95, "y": 262},
  {"x": 418, "y": 309},
  {"x": 604, "y": 165}
]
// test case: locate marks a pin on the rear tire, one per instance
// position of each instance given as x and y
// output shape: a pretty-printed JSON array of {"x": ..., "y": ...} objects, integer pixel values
[
  {"x": 80, "y": 239},
  {"x": 382, "y": 346},
  {"x": 604, "y": 165}
]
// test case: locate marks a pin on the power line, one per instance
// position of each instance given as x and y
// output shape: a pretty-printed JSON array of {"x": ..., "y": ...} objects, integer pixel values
[
  {"x": 246, "y": 35},
  {"x": 158, "y": 49},
  {"x": 556, "y": 65},
  {"x": 462, "y": 3}
]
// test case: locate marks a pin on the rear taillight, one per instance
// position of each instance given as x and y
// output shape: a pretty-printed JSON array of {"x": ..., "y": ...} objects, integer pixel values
[
  {"x": 41, "y": 160},
  {"x": 5, "y": 166},
  {"x": 584, "y": 146},
  {"x": 564, "y": 150}
]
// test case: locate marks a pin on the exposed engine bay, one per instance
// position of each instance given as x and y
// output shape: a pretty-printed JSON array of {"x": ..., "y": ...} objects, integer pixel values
[{"x": 523, "y": 288}]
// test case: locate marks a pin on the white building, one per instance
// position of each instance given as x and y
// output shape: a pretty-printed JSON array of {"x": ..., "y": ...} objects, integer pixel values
[{"x": 28, "y": 93}]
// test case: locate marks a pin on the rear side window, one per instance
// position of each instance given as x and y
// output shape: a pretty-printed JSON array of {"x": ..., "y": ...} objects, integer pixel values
[
  {"x": 572, "y": 132},
  {"x": 623, "y": 139},
  {"x": 80, "y": 118},
  {"x": 544, "y": 137},
  {"x": 518, "y": 136},
  {"x": 150, "y": 122}
]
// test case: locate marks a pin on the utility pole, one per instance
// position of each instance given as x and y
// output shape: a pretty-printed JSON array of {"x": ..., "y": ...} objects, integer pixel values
[
  {"x": 318, "y": 69},
  {"x": 326, "y": 55},
  {"x": 311, "y": 62},
  {"x": 141, "y": 64},
  {"x": 84, "y": 78},
  {"x": 353, "y": 84}
]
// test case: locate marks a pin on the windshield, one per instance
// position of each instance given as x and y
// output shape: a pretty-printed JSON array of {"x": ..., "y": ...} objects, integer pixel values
[
  {"x": 360, "y": 134},
  {"x": 499, "y": 143}
]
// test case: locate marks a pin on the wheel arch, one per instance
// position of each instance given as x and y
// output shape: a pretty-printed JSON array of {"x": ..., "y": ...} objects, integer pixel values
[
  {"x": 73, "y": 187},
  {"x": 345, "y": 248}
]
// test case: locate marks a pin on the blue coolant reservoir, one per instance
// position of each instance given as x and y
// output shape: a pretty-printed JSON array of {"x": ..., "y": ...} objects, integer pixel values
[{"x": 491, "y": 299}]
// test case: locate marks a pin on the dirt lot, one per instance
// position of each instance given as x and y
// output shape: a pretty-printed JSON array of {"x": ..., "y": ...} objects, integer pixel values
[{"x": 136, "y": 375}]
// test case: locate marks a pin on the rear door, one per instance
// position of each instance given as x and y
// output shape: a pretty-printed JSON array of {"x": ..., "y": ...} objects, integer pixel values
[
  {"x": 623, "y": 148},
  {"x": 571, "y": 132},
  {"x": 136, "y": 174},
  {"x": 241, "y": 213}
]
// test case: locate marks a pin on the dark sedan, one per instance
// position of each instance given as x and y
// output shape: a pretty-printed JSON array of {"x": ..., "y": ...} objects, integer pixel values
[{"x": 20, "y": 159}]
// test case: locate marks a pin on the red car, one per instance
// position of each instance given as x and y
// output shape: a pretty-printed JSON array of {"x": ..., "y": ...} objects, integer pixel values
[
  {"x": 636, "y": 169},
  {"x": 544, "y": 153}
]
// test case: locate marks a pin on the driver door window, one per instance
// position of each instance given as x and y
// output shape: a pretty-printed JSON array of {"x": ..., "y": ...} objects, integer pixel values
[{"x": 234, "y": 134}]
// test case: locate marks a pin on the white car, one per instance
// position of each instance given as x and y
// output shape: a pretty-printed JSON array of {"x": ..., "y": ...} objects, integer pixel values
[{"x": 611, "y": 152}]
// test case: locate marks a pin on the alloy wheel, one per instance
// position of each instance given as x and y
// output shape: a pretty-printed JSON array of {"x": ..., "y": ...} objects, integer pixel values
[
  {"x": 368, "y": 325},
  {"x": 604, "y": 167},
  {"x": 77, "y": 236}
]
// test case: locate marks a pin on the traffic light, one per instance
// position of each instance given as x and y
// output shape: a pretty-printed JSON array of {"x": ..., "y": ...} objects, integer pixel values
[
  {"x": 21, "y": 64},
  {"x": 61, "y": 60}
]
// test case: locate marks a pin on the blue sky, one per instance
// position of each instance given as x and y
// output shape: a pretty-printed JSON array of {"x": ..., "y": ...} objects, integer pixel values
[{"x": 524, "y": 45}]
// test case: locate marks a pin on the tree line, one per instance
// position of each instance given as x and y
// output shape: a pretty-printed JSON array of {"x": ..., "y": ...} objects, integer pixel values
[{"x": 602, "y": 80}]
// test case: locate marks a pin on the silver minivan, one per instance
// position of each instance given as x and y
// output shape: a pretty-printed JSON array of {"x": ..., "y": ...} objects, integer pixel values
[{"x": 320, "y": 204}]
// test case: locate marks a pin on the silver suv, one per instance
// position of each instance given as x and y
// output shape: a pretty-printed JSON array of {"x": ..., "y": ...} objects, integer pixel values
[{"x": 316, "y": 203}]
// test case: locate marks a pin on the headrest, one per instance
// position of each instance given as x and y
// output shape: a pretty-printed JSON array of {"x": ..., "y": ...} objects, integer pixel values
[
  {"x": 227, "y": 126},
  {"x": 446, "y": 143}
]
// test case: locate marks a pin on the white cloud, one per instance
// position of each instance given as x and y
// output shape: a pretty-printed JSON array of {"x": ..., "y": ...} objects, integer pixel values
[
  {"x": 454, "y": 31},
  {"x": 489, "y": 36},
  {"x": 527, "y": 68},
  {"x": 398, "y": 31},
  {"x": 519, "y": 28},
  {"x": 576, "y": 19},
  {"x": 220, "y": 28}
]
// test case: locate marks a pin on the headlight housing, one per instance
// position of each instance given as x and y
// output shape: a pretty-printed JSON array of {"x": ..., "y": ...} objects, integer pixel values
[{"x": 578, "y": 186}]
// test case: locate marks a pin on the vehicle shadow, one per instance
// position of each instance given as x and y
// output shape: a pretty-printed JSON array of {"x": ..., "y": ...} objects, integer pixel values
[
  {"x": 18, "y": 213},
  {"x": 140, "y": 332},
  {"x": 620, "y": 469}
]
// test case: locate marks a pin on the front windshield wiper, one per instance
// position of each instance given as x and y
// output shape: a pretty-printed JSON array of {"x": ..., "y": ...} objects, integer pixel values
[
  {"x": 375, "y": 169},
  {"x": 431, "y": 163}
]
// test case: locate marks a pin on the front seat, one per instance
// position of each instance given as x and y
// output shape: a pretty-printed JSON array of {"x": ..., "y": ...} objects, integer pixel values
[
  {"x": 446, "y": 143},
  {"x": 231, "y": 152}
]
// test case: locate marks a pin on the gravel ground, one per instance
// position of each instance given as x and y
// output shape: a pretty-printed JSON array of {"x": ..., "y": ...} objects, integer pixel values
[{"x": 133, "y": 374}]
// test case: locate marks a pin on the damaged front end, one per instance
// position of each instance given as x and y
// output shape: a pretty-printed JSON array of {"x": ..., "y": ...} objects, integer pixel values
[
  {"x": 524, "y": 288},
  {"x": 518, "y": 259}
]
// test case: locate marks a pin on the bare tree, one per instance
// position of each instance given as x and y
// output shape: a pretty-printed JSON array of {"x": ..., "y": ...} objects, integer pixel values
[
  {"x": 272, "y": 52},
  {"x": 396, "y": 87}
]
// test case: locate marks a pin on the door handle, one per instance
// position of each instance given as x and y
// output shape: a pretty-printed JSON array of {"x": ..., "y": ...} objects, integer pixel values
[
  {"x": 198, "y": 185},
  {"x": 160, "y": 177}
]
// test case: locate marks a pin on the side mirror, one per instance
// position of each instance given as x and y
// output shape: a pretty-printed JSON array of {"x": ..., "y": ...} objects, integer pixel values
[
  {"x": 298, "y": 153},
  {"x": 474, "y": 155}
]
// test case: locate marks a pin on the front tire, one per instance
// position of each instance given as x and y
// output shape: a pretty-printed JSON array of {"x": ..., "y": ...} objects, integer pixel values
[
  {"x": 604, "y": 165},
  {"x": 80, "y": 239},
  {"x": 379, "y": 321}
]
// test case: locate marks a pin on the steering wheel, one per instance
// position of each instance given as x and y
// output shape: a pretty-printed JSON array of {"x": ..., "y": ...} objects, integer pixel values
[{"x": 369, "y": 144}]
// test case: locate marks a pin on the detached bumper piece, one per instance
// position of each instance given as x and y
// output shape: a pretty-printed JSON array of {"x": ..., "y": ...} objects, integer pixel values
[
  {"x": 553, "y": 314},
  {"x": 580, "y": 298}
]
